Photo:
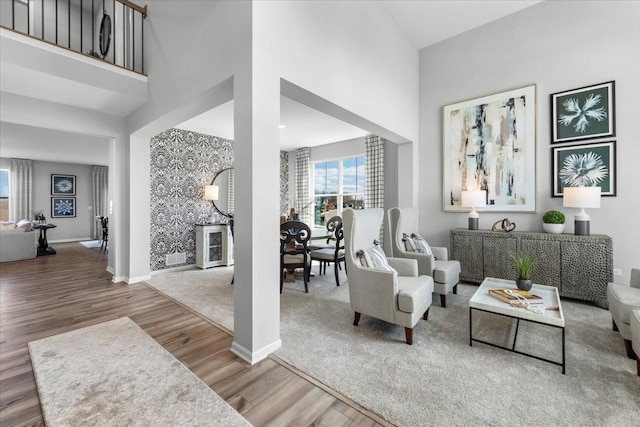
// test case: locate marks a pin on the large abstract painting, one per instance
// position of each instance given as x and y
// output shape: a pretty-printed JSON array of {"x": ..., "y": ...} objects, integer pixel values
[{"x": 489, "y": 144}]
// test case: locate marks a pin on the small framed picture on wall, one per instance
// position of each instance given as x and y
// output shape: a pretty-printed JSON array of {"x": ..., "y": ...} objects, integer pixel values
[
  {"x": 585, "y": 165},
  {"x": 583, "y": 113},
  {"x": 63, "y": 185},
  {"x": 63, "y": 207}
]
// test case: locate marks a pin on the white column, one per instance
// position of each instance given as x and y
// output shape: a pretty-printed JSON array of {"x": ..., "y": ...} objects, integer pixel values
[{"x": 257, "y": 209}]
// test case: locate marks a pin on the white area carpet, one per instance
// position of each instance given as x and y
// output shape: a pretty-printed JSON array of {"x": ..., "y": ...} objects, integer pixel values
[
  {"x": 115, "y": 374},
  {"x": 91, "y": 243},
  {"x": 440, "y": 379}
]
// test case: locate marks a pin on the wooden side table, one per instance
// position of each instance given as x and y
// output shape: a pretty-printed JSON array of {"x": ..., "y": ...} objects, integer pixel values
[{"x": 43, "y": 245}]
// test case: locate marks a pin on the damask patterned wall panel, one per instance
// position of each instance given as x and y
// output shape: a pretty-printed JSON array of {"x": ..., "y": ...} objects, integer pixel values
[
  {"x": 182, "y": 162},
  {"x": 284, "y": 182}
]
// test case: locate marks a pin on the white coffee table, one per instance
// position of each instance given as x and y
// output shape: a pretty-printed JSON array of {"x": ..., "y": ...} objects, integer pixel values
[{"x": 482, "y": 301}]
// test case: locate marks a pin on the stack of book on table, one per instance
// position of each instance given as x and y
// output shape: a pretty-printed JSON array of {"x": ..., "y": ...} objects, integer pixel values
[{"x": 516, "y": 297}]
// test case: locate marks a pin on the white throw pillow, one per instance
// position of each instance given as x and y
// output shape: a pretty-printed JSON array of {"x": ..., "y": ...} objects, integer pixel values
[
  {"x": 416, "y": 243},
  {"x": 24, "y": 224},
  {"x": 374, "y": 257},
  {"x": 421, "y": 245}
]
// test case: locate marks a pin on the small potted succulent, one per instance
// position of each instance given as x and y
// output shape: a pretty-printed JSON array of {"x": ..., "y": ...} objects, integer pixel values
[
  {"x": 553, "y": 222},
  {"x": 524, "y": 264}
]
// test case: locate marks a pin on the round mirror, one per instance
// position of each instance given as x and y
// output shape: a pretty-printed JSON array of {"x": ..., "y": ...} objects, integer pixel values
[
  {"x": 105, "y": 34},
  {"x": 224, "y": 202}
]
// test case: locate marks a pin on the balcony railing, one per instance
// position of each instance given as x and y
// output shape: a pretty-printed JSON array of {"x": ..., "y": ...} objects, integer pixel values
[{"x": 110, "y": 30}]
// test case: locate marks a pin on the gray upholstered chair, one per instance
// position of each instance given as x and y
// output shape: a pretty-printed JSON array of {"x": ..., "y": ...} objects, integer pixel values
[
  {"x": 623, "y": 299},
  {"x": 445, "y": 273},
  {"x": 397, "y": 295},
  {"x": 635, "y": 336}
]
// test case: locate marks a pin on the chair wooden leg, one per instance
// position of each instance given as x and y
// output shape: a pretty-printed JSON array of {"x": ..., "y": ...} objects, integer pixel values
[
  {"x": 638, "y": 365},
  {"x": 630, "y": 353},
  {"x": 305, "y": 276},
  {"x": 615, "y": 327},
  {"x": 335, "y": 269},
  {"x": 443, "y": 300},
  {"x": 425, "y": 316},
  {"x": 455, "y": 289},
  {"x": 281, "y": 278},
  {"x": 408, "y": 334},
  {"x": 356, "y": 319}
]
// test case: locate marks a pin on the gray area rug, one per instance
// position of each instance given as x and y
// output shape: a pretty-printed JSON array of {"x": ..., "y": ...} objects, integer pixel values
[
  {"x": 440, "y": 379},
  {"x": 115, "y": 374}
]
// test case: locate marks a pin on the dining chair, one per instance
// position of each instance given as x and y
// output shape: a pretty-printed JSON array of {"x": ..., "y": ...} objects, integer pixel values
[
  {"x": 334, "y": 254},
  {"x": 104, "y": 221},
  {"x": 294, "y": 251}
]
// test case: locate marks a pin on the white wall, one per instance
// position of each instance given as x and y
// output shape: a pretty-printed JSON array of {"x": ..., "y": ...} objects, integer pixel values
[
  {"x": 25, "y": 111},
  {"x": 67, "y": 229},
  {"x": 36, "y": 143},
  {"x": 558, "y": 46}
]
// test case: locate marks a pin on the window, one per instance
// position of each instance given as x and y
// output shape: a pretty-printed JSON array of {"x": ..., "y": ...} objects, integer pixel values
[
  {"x": 337, "y": 184},
  {"x": 4, "y": 195}
]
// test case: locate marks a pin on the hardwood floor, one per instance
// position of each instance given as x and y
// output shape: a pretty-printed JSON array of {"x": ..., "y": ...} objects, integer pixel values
[{"x": 72, "y": 289}]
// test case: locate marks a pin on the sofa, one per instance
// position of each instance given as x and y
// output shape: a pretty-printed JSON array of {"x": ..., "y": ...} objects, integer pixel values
[{"x": 17, "y": 241}]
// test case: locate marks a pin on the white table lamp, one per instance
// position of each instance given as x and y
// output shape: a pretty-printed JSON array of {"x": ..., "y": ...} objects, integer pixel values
[
  {"x": 581, "y": 197},
  {"x": 211, "y": 193},
  {"x": 474, "y": 199}
]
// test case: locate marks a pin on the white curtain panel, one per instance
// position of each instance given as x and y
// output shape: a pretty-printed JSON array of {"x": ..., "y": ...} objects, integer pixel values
[
  {"x": 374, "y": 175},
  {"x": 100, "y": 185},
  {"x": 302, "y": 184},
  {"x": 231, "y": 192},
  {"x": 20, "y": 190}
]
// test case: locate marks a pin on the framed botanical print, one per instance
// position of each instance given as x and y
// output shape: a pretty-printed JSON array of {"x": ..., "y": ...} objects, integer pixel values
[
  {"x": 583, "y": 113},
  {"x": 63, "y": 185},
  {"x": 63, "y": 207},
  {"x": 489, "y": 144},
  {"x": 585, "y": 165}
]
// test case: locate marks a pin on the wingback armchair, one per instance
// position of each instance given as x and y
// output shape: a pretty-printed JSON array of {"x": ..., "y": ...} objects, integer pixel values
[
  {"x": 623, "y": 300},
  {"x": 397, "y": 295},
  {"x": 445, "y": 273}
]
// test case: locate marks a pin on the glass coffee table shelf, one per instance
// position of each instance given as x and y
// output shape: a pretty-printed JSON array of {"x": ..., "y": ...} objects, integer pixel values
[{"x": 482, "y": 301}]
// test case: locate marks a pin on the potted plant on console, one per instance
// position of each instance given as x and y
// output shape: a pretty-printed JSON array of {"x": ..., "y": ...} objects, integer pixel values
[
  {"x": 524, "y": 264},
  {"x": 553, "y": 222}
]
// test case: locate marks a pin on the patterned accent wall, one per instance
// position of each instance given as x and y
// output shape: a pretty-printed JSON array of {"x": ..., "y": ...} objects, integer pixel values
[
  {"x": 182, "y": 162},
  {"x": 284, "y": 182}
]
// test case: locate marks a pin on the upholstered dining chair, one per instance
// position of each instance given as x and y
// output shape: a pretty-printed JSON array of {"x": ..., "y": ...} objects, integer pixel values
[
  {"x": 333, "y": 254},
  {"x": 104, "y": 222},
  {"x": 432, "y": 261},
  {"x": 623, "y": 299},
  {"x": 389, "y": 289},
  {"x": 294, "y": 252}
]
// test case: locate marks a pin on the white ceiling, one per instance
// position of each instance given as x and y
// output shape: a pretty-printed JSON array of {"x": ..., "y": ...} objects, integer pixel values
[
  {"x": 432, "y": 21},
  {"x": 303, "y": 126},
  {"x": 424, "y": 22}
]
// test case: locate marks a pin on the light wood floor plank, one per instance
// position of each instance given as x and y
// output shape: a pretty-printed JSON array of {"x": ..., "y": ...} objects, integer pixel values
[{"x": 72, "y": 289}]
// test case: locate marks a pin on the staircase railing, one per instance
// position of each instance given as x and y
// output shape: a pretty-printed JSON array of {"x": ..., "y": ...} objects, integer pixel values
[{"x": 109, "y": 30}]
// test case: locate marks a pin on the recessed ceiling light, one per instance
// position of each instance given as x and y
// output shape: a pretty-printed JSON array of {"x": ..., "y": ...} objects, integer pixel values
[{"x": 282, "y": 126}]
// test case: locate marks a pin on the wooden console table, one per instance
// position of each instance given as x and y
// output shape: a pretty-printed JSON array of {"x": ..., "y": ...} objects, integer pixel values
[{"x": 579, "y": 266}]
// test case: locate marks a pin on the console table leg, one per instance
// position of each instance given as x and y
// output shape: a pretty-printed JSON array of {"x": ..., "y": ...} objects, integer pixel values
[
  {"x": 515, "y": 337},
  {"x": 470, "y": 328}
]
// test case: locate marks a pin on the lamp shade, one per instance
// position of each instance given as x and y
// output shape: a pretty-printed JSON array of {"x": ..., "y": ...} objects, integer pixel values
[
  {"x": 211, "y": 192},
  {"x": 581, "y": 197},
  {"x": 474, "y": 199}
]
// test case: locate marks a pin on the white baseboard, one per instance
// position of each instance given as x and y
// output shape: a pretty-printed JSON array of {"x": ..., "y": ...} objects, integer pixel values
[
  {"x": 111, "y": 270},
  {"x": 131, "y": 280},
  {"x": 77, "y": 239},
  {"x": 169, "y": 270},
  {"x": 118, "y": 279},
  {"x": 256, "y": 356}
]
